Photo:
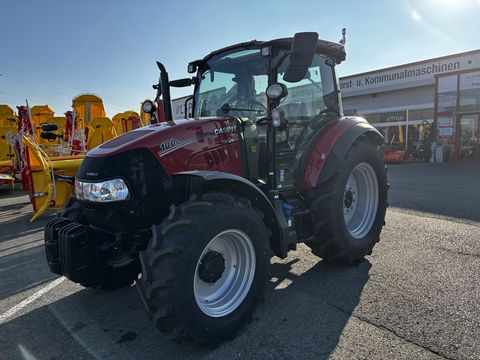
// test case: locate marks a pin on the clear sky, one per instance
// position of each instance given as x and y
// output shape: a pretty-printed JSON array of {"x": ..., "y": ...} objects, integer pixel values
[{"x": 53, "y": 50}]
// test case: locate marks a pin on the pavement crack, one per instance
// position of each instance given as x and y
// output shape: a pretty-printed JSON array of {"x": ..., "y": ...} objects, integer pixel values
[{"x": 392, "y": 331}]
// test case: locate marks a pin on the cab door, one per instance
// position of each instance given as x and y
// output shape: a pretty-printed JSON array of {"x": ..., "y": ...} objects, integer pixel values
[{"x": 305, "y": 109}]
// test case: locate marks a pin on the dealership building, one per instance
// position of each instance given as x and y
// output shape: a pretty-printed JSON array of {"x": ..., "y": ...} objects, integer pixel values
[{"x": 417, "y": 104}]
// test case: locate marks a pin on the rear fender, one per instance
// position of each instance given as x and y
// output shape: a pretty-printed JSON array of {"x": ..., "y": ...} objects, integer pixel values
[
  {"x": 200, "y": 182},
  {"x": 331, "y": 147}
]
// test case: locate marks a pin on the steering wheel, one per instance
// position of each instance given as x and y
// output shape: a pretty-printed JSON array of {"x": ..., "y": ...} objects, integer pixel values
[
  {"x": 250, "y": 107},
  {"x": 257, "y": 104}
]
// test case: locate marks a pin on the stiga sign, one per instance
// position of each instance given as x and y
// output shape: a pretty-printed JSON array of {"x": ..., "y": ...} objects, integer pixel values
[{"x": 410, "y": 75}]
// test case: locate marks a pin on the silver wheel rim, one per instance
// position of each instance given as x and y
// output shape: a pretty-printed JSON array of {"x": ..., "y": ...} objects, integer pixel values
[
  {"x": 360, "y": 200},
  {"x": 223, "y": 296}
]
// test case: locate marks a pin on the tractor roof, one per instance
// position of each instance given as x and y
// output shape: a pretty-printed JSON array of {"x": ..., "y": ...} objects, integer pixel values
[{"x": 337, "y": 51}]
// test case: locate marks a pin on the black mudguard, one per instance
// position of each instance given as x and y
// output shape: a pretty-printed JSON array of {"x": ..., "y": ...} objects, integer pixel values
[{"x": 344, "y": 144}]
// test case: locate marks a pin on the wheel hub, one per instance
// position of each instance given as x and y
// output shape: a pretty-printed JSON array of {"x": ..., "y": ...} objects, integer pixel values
[
  {"x": 211, "y": 267},
  {"x": 360, "y": 200},
  {"x": 224, "y": 273},
  {"x": 348, "y": 199}
]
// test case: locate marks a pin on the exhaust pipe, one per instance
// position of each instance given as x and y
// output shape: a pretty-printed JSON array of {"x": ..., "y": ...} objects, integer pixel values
[{"x": 165, "y": 92}]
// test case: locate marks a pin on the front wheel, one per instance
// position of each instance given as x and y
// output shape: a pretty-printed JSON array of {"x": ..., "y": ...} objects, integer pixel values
[
  {"x": 348, "y": 210},
  {"x": 205, "y": 268}
]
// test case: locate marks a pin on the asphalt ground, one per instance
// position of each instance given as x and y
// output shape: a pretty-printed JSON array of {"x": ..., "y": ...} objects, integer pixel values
[{"x": 416, "y": 297}]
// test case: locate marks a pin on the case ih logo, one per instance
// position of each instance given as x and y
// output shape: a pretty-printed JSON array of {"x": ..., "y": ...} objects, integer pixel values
[{"x": 225, "y": 129}]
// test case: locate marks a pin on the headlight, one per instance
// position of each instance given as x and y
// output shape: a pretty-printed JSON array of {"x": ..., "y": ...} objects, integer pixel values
[{"x": 110, "y": 190}]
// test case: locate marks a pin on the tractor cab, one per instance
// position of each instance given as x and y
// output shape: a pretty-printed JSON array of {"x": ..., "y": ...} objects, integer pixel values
[
  {"x": 255, "y": 83},
  {"x": 281, "y": 92}
]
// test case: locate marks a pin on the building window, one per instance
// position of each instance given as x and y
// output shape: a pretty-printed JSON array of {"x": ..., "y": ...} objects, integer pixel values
[
  {"x": 447, "y": 93},
  {"x": 420, "y": 115},
  {"x": 470, "y": 91}
]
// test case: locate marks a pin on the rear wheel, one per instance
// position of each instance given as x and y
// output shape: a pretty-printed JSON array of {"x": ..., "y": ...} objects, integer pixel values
[
  {"x": 205, "y": 269},
  {"x": 348, "y": 210}
]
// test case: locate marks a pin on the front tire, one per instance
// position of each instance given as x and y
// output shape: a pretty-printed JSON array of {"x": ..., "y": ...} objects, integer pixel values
[
  {"x": 348, "y": 210},
  {"x": 205, "y": 269}
]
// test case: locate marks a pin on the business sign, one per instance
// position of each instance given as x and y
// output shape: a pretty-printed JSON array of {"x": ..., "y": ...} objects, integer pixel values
[
  {"x": 393, "y": 117},
  {"x": 445, "y": 126},
  {"x": 445, "y": 122},
  {"x": 447, "y": 131},
  {"x": 422, "y": 73},
  {"x": 470, "y": 80}
]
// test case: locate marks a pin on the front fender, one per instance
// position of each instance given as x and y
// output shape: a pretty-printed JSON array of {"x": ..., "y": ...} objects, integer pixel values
[
  {"x": 200, "y": 182},
  {"x": 331, "y": 146}
]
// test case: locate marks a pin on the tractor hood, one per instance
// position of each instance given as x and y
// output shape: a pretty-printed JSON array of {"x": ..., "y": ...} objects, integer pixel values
[
  {"x": 146, "y": 137},
  {"x": 163, "y": 138},
  {"x": 177, "y": 147}
]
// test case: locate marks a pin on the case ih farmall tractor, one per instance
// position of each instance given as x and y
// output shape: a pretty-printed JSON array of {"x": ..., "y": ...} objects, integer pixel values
[{"x": 198, "y": 206}]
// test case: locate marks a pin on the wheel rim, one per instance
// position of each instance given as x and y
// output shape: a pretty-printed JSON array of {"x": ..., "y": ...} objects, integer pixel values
[
  {"x": 360, "y": 200},
  {"x": 224, "y": 273}
]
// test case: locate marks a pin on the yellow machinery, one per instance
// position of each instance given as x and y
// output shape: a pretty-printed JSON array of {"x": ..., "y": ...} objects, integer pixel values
[
  {"x": 52, "y": 147},
  {"x": 48, "y": 177},
  {"x": 127, "y": 121},
  {"x": 90, "y": 112},
  {"x": 100, "y": 130},
  {"x": 40, "y": 115},
  {"x": 88, "y": 107},
  {"x": 6, "y": 149},
  {"x": 7, "y": 126},
  {"x": 51, "y": 180},
  {"x": 7, "y": 116}
]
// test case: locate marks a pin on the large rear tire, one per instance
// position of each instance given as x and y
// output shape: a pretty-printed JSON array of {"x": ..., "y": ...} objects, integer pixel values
[
  {"x": 348, "y": 210},
  {"x": 205, "y": 269}
]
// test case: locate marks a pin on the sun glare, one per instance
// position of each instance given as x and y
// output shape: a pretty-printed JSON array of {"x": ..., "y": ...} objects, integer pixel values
[
  {"x": 453, "y": 5},
  {"x": 416, "y": 16}
]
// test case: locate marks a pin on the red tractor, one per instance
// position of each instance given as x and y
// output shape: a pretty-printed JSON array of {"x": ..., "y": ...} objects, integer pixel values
[{"x": 198, "y": 206}]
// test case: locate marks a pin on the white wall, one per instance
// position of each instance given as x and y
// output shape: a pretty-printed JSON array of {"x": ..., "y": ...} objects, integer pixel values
[{"x": 413, "y": 98}]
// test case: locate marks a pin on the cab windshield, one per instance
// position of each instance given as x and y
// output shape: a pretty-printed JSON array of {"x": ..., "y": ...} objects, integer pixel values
[{"x": 233, "y": 84}]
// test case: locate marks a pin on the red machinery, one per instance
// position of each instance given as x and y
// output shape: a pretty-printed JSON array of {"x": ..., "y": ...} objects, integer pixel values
[
  {"x": 393, "y": 155},
  {"x": 198, "y": 206}
]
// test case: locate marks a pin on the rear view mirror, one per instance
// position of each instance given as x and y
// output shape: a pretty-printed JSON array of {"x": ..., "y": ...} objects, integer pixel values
[
  {"x": 181, "y": 82},
  {"x": 301, "y": 54}
]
